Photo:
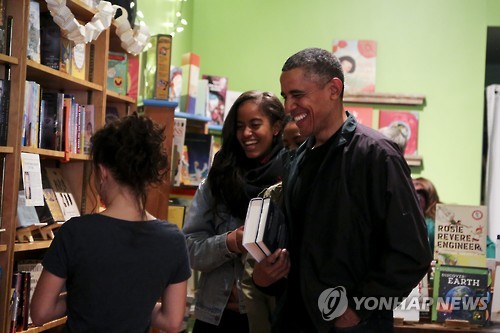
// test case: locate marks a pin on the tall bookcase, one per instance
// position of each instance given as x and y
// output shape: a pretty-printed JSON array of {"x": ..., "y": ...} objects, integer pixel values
[{"x": 76, "y": 167}]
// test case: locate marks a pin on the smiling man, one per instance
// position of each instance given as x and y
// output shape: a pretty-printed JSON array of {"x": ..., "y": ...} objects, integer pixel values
[{"x": 355, "y": 224}]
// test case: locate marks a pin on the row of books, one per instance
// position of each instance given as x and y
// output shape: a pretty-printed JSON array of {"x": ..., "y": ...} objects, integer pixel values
[
  {"x": 24, "y": 281},
  {"x": 54, "y": 120},
  {"x": 47, "y": 45}
]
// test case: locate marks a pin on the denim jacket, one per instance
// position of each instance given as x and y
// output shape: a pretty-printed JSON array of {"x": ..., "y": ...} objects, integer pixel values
[{"x": 220, "y": 269}]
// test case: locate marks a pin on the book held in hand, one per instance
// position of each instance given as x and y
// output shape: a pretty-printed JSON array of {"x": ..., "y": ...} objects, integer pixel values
[{"x": 265, "y": 228}]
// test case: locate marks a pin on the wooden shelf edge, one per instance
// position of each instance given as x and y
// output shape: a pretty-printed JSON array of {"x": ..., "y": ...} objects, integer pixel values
[
  {"x": 35, "y": 66},
  {"x": 36, "y": 245},
  {"x": 413, "y": 160},
  {"x": 384, "y": 98},
  {"x": 43, "y": 152},
  {"x": 114, "y": 96},
  {"x": 8, "y": 59},
  {"x": 47, "y": 326},
  {"x": 3, "y": 247},
  {"x": 6, "y": 150}
]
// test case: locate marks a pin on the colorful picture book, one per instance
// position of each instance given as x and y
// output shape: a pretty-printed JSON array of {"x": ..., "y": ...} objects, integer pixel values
[
  {"x": 190, "y": 77},
  {"x": 461, "y": 293},
  {"x": 216, "y": 101},
  {"x": 199, "y": 149},
  {"x": 408, "y": 122},
  {"x": 117, "y": 72},
  {"x": 157, "y": 67},
  {"x": 358, "y": 60},
  {"x": 177, "y": 147},
  {"x": 460, "y": 235}
]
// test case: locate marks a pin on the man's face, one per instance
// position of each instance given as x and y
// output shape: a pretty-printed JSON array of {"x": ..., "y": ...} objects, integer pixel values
[{"x": 308, "y": 102}]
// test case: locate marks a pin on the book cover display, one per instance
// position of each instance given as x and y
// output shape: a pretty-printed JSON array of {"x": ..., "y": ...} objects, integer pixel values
[
  {"x": 177, "y": 150},
  {"x": 358, "y": 59},
  {"x": 175, "y": 86},
  {"x": 461, "y": 293},
  {"x": 63, "y": 193},
  {"x": 190, "y": 64},
  {"x": 117, "y": 72},
  {"x": 34, "y": 31},
  {"x": 460, "y": 235},
  {"x": 78, "y": 61},
  {"x": 217, "y": 88},
  {"x": 408, "y": 122},
  {"x": 199, "y": 149},
  {"x": 157, "y": 67}
]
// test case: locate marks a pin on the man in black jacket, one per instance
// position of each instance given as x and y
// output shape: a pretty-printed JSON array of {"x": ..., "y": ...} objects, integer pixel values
[{"x": 356, "y": 229}]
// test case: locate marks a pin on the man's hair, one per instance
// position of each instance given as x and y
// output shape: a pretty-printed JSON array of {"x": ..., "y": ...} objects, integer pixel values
[{"x": 318, "y": 64}]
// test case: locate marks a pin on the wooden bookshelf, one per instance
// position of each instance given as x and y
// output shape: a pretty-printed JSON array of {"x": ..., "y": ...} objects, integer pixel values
[
  {"x": 47, "y": 326},
  {"x": 384, "y": 98}
]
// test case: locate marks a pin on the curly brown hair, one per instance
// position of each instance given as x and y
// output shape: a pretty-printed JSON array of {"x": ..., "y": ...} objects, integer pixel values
[{"x": 132, "y": 149}]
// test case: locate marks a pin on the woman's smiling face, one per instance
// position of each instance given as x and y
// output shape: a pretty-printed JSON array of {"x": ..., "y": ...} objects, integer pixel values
[{"x": 254, "y": 130}]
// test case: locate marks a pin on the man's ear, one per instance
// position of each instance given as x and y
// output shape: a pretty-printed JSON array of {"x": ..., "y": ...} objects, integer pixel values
[{"x": 337, "y": 86}]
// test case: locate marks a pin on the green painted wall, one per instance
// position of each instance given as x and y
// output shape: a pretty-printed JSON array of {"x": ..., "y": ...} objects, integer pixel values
[{"x": 431, "y": 47}]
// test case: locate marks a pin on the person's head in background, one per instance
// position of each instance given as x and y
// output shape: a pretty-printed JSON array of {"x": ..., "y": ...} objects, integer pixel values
[
  {"x": 427, "y": 195},
  {"x": 128, "y": 153},
  {"x": 291, "y": 135},
  {"x": 395, "y": 133}
]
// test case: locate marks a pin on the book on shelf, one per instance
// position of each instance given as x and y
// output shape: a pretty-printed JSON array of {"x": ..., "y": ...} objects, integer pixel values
[
  {"x": 461, "y": 293},
  {"x": 32, "y": 179},
  {"x": 201, "y": 105},
  {"x": 177, "y": 146},
  {"x": 117, "y": 72},
  {"x": 217, "y": 88},
  {"x": 15, "y": 297},
  {"x": 199, "y": 149},
  {"x": 34, "y": 268},
  {"x": 460, "y": 235},
  {"x": 175, "y": 86},
  {"x": 50, "y": 212},
  {"x": 2, "y": 185},
  {"x": 50, "y": 41},
  {"x": 133, "y": 77},
  {"x": 176, "y": 214},
  {"x": 33, "y": 48},
  {"x": 24, "y": 302},
  {"x": 156, "y": 70},
  {"x": 190, "y": 63},
  {"x": 26, "y": 215},
  {"x": 65, "y": 56},
  {"x": 4, "y": 111},
  {"x": 265, "y": 229},
  {"x": 3, "y": 26},
  {"x": 51, "y": 120},
  {"x": 63, "y": 193},
  {"x": 89, "y": 127},
  {"x": 358, "y": 59},
  {"x": 79, "y": 61},
  {"x": 31, "y": 114}
]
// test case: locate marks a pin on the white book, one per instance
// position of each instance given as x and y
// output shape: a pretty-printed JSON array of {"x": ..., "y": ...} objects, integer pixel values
[{"x": 250, "y": 231}]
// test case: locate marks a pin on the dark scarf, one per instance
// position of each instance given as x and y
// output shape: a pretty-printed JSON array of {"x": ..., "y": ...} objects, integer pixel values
[{"x": 269, "y": 171}]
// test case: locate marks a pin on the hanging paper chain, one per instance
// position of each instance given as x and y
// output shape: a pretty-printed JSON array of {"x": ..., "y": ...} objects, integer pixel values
[{"x": 132, "y": 40}]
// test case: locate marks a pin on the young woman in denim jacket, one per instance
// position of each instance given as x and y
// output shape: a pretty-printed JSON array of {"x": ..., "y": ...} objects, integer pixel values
[{"x": 246, "y": 164}]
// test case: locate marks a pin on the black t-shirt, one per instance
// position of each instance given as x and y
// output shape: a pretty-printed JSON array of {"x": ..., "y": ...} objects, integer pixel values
[{"x": 116, "y": 270}]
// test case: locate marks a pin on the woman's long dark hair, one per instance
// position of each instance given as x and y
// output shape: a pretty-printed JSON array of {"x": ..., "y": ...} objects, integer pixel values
[{"x": 230, "y": 166}]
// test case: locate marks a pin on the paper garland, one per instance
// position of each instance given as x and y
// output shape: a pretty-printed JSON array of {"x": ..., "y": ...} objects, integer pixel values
[{"x": 132, "y": 40}]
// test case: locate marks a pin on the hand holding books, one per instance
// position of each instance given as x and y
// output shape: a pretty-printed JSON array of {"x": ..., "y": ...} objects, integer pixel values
[
  {"x": 235, "y": 241},
  {"x": 272, "y": 268}
]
